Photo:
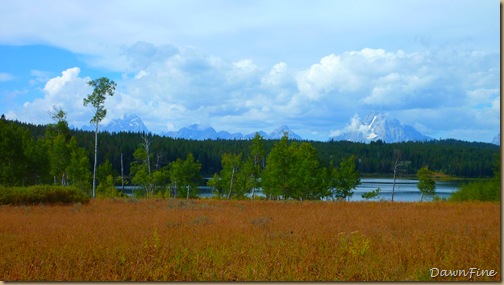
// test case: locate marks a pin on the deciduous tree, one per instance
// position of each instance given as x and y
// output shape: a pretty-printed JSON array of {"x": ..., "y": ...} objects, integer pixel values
[
  {"x": 102, "y": 87},
  {"x": 426, "y": 183},
  {"x": 344, "y": 179}
]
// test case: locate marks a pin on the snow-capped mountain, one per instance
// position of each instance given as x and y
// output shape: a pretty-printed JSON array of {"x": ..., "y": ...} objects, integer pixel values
[
  {"x": 252, "y": 135},
  {"x": 378, "y": 126},
  {"x": 198, "y": 132},
  {"x": 278, "y": 134},
  {"x": 130, "y": 123},
  {"x": 496, "y": 139}
]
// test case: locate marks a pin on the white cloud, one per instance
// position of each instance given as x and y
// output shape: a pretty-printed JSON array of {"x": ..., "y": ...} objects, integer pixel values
[
  {"x": 355, "y": 126},
  {"x": 5, "y": 77},
  {"x": 67, "y": 92},
  {"x": 174, "y": 87}
]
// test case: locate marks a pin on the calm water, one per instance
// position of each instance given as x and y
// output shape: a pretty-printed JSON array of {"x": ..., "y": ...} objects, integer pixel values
[{"x": 405, "y": 189}]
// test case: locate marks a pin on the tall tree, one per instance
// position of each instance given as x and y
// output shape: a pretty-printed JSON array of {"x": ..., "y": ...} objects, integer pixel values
[
  {"x": 185, "y": 176},
  {"x": 226, "y": 180},
  {"x": 102, "y": 87},
  {"x": 277, "y": 172},
  {"x": 78, "y": 169},
  {"x": 255, "y": 164},
  {"x": 58, "y": 138},
  {"x": 426, "y": 183},
  {"x": 345, "y": 178},
  {"x": 306, "y": 174},
  {"x": 139, "y": 170}
]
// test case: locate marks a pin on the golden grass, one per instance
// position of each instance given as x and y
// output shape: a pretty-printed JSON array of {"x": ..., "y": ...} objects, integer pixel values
[{"x": 208, "y": 240}]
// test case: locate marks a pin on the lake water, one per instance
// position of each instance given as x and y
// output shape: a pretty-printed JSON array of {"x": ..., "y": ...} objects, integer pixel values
[{"x": 405, "y": 189}]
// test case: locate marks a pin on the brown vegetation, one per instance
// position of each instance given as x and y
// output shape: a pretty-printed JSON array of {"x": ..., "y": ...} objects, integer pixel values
[{"x": 208, "y": 240}]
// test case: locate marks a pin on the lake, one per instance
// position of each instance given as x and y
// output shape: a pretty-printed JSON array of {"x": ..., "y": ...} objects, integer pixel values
[{"x": 405, "y": 189}]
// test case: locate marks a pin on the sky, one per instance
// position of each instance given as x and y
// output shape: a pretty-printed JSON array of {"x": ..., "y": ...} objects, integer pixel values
[{"x": 245, "y": 66}]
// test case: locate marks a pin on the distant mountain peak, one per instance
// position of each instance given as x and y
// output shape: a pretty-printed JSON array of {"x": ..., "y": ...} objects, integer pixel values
[
  {"x": 496, "y": 139},
  {"x": 198, "y": 132},
  {"x": 278, "y": 134},
  {"x": 378, "y": 126},
  {"x": 129, "y": 123}
]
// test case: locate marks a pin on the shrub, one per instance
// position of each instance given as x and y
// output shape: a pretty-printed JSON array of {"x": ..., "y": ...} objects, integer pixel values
[
  {"x": 42, "y": 194},
  {"x": 478, "y": 191}
]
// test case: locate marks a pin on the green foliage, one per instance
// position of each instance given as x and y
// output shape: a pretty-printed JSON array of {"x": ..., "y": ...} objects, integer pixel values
[
  {"x": 101, "y": 87},
  {"x": 229, "y": 182},
  {"x": 185, "y": 177},
  {"x": 78, "y": 170},
  {"x": 344, "y": 179},
  {"x": 277, "y": 171},
  {"x": 293, "y": 172},
  {"x": 15, "y": 143},
  {"x": 42, "y": 194},
  {"x": 106, "y": 188},
  {"x": 372, "y": 194},
  {"x": 354, "y": 244},
  {"x": 426, "y": 183},
  {"x": 482, "y": 190}
]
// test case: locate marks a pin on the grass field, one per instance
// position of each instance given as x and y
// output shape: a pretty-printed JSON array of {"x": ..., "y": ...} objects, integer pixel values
[{"x": 210, "y": 240}]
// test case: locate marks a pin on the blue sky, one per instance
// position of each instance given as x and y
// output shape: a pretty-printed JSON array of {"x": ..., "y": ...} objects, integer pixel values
[{"x": 244, "y": 66}]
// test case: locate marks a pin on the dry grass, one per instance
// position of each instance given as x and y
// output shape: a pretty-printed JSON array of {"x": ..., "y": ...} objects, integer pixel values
[{"x": 210, "y": 240}]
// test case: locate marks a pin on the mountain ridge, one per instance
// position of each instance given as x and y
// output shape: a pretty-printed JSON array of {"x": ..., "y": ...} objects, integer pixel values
[{"x": 378, "y": 126}]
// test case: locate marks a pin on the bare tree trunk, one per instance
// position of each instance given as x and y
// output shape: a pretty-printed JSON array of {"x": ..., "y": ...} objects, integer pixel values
[
  {"x": 146, "y": 146},
  {"x": 397, "y": 167},
  {"x": 393, "y": 185},
  {"x": 122, "y": 172},
  {"x": 231, "y": 184},
  {"x": 95, "y": 159}
]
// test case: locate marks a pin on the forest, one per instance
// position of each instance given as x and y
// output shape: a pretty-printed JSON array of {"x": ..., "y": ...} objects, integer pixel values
[{"x": 26, "y": 152}]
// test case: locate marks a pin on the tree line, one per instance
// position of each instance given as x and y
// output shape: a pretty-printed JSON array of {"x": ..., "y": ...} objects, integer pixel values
[
  {"x": 56, "y": 154},
  {"x": 451, "y": 157}
]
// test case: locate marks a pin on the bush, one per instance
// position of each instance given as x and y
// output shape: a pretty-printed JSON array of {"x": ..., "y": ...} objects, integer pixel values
[
  {"x": 42, "y": 194},
  {"x": 478, "y": 191}
]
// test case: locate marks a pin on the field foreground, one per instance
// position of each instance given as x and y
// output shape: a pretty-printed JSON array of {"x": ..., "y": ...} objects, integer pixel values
[{"x": 209, "y": 240}]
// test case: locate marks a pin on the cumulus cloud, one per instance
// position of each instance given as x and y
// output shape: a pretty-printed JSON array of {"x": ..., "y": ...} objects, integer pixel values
[
  {"x": 355, "y": 126},
  {"x": 66, "y": 91},
  {"x": 175, "y": 87}
]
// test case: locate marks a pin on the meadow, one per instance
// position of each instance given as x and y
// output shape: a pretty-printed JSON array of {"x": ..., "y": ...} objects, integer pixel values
[{"x": 211, "y": 240}]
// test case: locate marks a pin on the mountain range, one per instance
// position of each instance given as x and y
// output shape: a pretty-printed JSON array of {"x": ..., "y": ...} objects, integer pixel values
[
  {"x": 133, "y": 123},
  {"x": 378, "y": 126},
  {"x": 375, "y": 126},
  {"x": 198, "y": 132},
  {"x": 130, "y": 123}
]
